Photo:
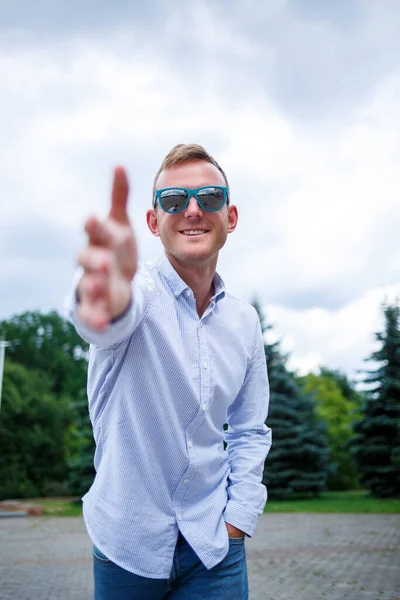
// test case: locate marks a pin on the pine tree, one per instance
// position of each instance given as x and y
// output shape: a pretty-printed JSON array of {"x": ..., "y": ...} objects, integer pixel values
[
  {"x": 297, "y": 464},
  {"x": 377, "y": 448}
]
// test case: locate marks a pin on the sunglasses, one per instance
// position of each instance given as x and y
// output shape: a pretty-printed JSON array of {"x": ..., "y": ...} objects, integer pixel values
[{"x": 174, "y": 200}]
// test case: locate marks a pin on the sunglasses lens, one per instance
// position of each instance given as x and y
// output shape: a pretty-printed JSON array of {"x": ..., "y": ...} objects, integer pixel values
[
  {"x": 211, "y": 198},
  {"x": 173, "y": 200}
]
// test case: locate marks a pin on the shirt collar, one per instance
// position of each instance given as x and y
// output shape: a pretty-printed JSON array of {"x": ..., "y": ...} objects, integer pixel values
[{"x": 177, "y": 285}]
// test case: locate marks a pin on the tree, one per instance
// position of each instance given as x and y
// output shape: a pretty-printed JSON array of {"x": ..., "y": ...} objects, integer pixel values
[
  {"x": 81, "y": 450},
  {"x": 297, "y": 463},
  {"x": 50, "y": 344},
  {"x": 337, "y": 404},
  {"x": 33, "y": 433},
  {"x": 377, "y": 447},
  {"x": 346, "y": 386}
]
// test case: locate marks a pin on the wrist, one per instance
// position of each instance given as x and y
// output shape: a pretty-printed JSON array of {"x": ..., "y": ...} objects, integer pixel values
[
  {"x": 119, "y": 314},
  {"x": 234, "y": 531}
]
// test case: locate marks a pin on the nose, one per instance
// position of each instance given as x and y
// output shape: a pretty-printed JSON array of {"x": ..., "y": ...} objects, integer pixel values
[{"x": 193, "y": 209}]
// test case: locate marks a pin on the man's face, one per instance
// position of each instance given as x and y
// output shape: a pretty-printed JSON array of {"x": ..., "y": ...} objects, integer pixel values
[{"x": 174, "y": 229}]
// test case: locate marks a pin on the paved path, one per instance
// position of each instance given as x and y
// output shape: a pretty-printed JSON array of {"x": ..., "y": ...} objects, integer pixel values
[{"x": 292, "y": 557}]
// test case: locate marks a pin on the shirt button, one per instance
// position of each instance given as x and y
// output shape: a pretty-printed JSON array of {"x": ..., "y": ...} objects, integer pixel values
[
  {"x": 204, "y": 408},
  {"x": 188, "y": 293},
  {"x": 179, "y": 516},
  {"x": 176, "y": 293},
  {"x": 201, "y": 324},
  {"x": 186, "y": 481},
  {"x": 205, "y": 365},
  {"x": 190, "y": 444}
]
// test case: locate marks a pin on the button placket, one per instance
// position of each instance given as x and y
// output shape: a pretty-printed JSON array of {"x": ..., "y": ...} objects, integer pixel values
[
  {"x": 183, "y": 489},
  {"x": 205, "y": 375}
]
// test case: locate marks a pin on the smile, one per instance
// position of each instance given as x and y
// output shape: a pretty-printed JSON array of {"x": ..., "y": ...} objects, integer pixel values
[{"x": 194, "y": 231}]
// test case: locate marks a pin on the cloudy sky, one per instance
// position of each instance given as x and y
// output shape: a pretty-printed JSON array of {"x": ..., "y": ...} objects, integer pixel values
[{"x": 299, "y": 101}]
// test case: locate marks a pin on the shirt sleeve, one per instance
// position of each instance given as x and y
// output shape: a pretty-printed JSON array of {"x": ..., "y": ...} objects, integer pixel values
[
  {"x": 123, "y": 327},
  {"x": 248, "y": 443}
]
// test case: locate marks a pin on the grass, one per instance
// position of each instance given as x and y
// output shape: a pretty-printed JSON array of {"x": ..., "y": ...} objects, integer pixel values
[
  {"x": 329, "y": 502},
  {"x": 336, "y": 502},
  {"x": 60, "y": 508}
]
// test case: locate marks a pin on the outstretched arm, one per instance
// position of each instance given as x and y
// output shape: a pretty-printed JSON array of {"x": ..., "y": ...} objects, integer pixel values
[
  {"x": 109, "y": 262},
  {"x": 105, "y": 304}
]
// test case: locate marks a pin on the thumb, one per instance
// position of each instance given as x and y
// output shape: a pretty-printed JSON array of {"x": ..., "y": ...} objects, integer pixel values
[{"x": 119, "y": 196}]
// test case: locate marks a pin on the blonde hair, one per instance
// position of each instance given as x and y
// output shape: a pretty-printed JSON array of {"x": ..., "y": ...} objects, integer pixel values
[{"x": 182, "y": 153}]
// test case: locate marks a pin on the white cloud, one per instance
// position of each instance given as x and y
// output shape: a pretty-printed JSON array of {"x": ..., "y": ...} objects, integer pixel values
[
  {"x": 334, "y": 194},
  {"x": 337, "y": 339},
  {"x": 318, "y": 201}
]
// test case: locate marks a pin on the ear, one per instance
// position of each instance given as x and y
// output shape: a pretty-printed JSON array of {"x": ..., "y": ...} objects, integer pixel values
[
  {"x": 152, "y": 223},
  {"x": 233, "y": 217}
]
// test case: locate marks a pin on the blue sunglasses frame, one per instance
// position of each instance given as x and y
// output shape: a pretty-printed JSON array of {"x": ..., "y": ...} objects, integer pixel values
[{"x": 190, "y": 193}]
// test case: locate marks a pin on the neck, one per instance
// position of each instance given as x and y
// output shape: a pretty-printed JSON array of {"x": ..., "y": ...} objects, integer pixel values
[{"x": 199, "y": 278}]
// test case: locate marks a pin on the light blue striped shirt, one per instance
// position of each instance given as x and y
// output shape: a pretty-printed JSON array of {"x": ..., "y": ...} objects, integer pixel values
[{"x": 162, "y": 383}]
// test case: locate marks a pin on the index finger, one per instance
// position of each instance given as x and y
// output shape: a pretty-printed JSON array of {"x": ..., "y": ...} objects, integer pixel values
[{"x": 119, "y": 196}]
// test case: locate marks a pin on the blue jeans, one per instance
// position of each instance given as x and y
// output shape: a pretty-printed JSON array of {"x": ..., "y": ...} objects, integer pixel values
[{"x": 189, "y": 579}]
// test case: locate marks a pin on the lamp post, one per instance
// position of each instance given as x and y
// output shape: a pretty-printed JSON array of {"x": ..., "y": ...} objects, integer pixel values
[{"x": 3, "y": 346}]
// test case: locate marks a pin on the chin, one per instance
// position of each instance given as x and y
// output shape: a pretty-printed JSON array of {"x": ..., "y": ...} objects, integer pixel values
[{"x": 193, "y": 258}]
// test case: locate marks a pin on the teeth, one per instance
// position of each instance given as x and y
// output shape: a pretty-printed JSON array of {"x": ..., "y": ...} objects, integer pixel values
[{"x": 197, "y": 232}]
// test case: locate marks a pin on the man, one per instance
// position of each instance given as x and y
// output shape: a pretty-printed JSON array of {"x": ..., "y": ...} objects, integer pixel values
[{"x": 173, "y": 357}]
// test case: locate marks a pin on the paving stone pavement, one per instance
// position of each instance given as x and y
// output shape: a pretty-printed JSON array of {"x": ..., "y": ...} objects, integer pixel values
[{"x": 291, "y": 557}]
